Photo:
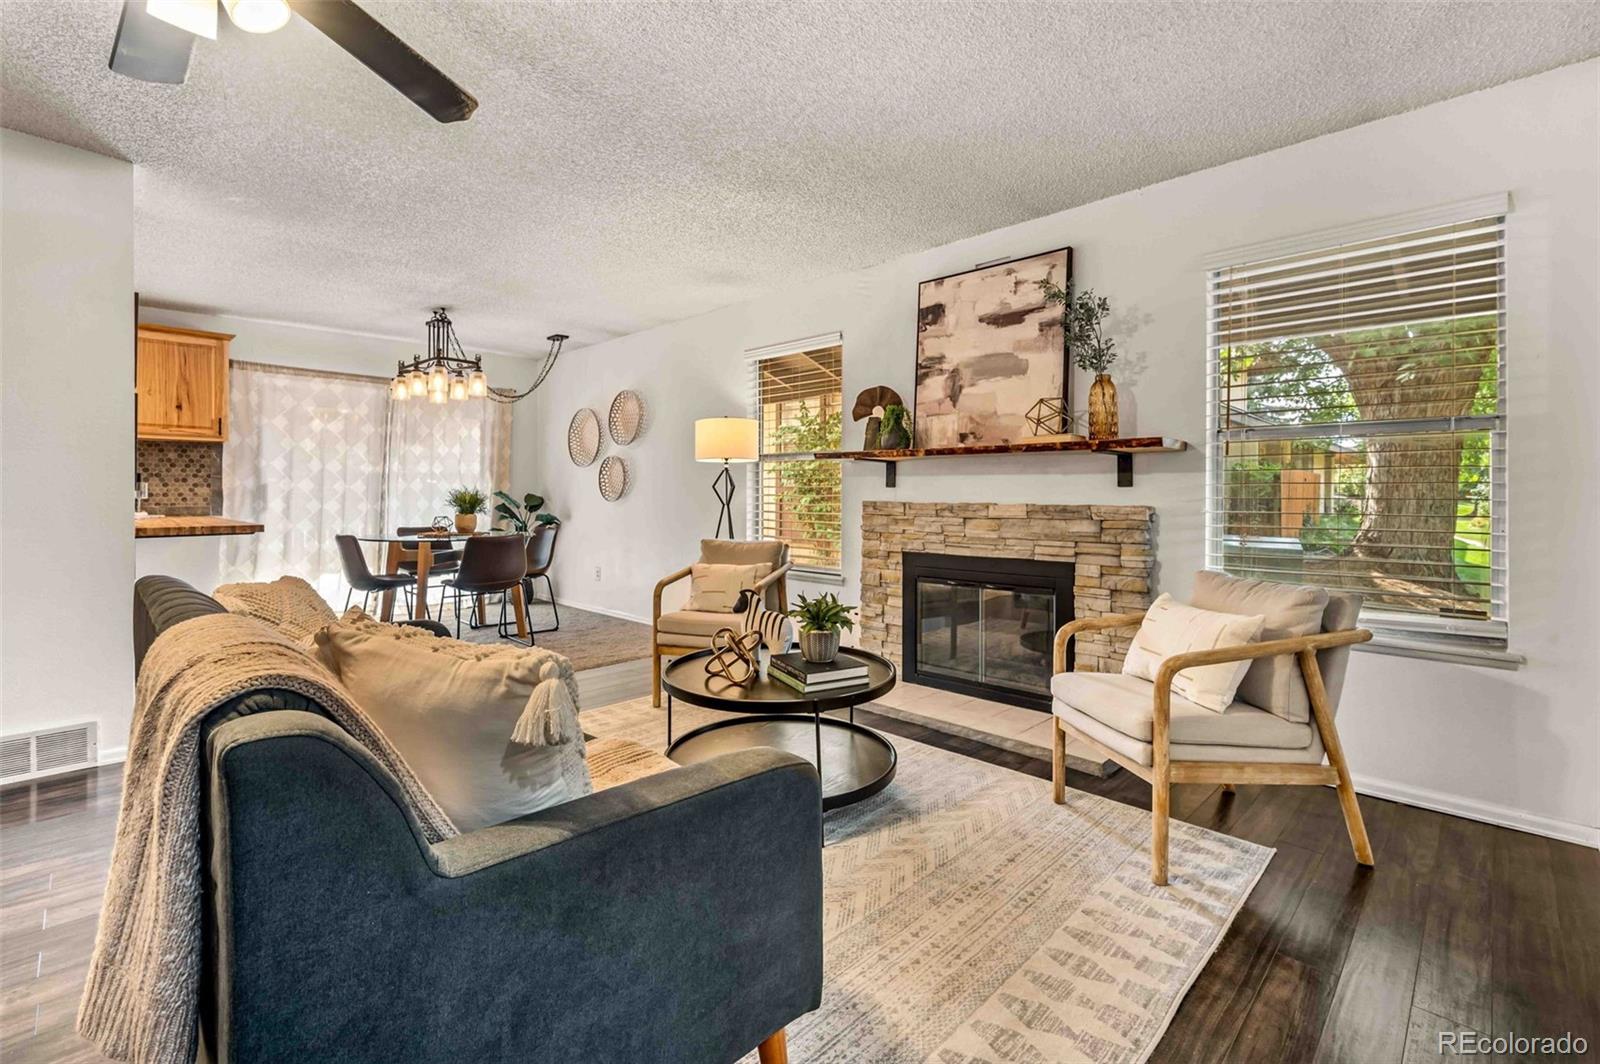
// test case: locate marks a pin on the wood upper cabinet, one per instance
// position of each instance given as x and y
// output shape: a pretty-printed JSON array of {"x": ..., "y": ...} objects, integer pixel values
[{"x": 181, "y": 376}]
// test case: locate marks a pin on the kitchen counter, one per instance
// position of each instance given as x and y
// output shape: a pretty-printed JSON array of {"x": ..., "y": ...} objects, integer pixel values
[{"x": 154, "y": 527}]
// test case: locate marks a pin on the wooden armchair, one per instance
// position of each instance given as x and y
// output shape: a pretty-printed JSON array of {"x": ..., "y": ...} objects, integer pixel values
[
  {"x": 685, "y": 631},
  {"x": 1245, "y": 744}
]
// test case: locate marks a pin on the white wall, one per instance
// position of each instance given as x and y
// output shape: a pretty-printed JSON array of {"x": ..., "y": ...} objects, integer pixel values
[
  {"x": 305, "y": 347},
  {"x": 1518, "y": 747},
  {"x": 66, "y": 438}
]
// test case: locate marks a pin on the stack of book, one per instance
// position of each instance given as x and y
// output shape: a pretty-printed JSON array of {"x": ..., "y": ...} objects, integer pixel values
[{"x": 809, "y": 678}]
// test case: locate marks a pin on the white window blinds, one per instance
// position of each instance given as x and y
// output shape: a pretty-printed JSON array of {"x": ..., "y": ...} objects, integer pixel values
[
  {"x": 798, "y": 405},
  {"x": 1357, "y": 399}
]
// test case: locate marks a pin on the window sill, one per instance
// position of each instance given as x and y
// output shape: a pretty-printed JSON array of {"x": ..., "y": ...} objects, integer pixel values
[
  {"x": 816, "y": 576},
  {"x": 1442, "y": 648}
]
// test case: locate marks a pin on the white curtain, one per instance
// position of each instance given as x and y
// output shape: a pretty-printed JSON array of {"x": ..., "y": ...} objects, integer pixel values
[
  {"x": 436, "y": 447},
  {"x": 305, "y": 458}
]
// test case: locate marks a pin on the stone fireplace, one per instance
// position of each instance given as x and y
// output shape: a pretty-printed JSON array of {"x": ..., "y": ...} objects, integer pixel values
[{"x": 992, "y": 582}]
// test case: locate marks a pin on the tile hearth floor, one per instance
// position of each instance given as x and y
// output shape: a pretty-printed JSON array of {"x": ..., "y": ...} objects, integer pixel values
[{"x": 1014, "y": 728}]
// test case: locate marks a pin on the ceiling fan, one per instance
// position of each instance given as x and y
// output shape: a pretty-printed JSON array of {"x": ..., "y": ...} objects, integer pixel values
[{"x": 155, "y": 37}]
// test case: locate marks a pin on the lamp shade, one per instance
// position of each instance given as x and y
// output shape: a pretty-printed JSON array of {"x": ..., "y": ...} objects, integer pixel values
[{"x": 725, "y": 439}]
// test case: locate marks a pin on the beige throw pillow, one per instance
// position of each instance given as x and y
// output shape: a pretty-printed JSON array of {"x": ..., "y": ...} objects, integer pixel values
[
  {"x": 1289, "y": 610},
  {"x": 491, "y": 731},
  {"x": 715, "y": 588},
  {"x": 1173, "y": 628}
]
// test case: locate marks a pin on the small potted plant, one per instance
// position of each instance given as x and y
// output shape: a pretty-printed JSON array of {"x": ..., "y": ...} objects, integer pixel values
[
  {"x": 821, "y": 620},
  {"x": 895, "y": 432},
  {"x": 522, "y": 516},
  {"x": 1082, "y": 317},
  {"x": 467, "y": 503}
]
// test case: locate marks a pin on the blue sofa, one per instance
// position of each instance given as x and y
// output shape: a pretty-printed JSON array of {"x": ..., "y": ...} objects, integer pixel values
[{"x": 673, "y": 920}]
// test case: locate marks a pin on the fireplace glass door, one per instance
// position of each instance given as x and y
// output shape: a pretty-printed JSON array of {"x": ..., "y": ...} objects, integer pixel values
[{"x": 987, "y": 634}]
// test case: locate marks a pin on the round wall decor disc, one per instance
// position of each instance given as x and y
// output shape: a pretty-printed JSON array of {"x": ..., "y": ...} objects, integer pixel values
[
  {"x": 583, "y": 437},
  {"x": 626, "y": 417},
  {"x": 613, "y": 478}
]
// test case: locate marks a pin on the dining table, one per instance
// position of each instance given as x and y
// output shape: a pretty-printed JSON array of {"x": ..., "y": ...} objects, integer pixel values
[{"x": 419, "y": 547}]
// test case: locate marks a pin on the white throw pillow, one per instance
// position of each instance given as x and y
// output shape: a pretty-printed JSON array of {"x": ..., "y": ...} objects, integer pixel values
[
  {"x": 491, "y": 732},
  {"x": 1173, "y": 628},
  {"x": 715, "y": 588}
]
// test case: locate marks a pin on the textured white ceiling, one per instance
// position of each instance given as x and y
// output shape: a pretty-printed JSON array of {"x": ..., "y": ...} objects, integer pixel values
[{"x": 636, "y": 163}]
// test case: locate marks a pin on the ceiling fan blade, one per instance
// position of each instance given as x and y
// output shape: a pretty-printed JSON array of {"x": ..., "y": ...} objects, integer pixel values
[
  {"x": 388, "y": 57},
  {"x": 148, "y": 48}
]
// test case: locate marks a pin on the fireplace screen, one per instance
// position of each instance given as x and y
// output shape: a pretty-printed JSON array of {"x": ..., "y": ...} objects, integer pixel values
[{"x": 985, "y": 626}]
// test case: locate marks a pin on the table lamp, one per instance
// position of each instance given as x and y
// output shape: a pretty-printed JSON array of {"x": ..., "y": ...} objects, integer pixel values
[{"x": 725, "y": 439}]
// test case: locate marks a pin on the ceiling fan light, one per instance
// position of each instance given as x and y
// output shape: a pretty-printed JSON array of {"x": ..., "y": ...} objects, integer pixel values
[
  {"x": 477, "y": 384},
  {"x": 199, "y": 17},
  {"x": 458, "y": 387},
  {"x": 417, "y": 383},
  {"x": 257, "y": 16}
]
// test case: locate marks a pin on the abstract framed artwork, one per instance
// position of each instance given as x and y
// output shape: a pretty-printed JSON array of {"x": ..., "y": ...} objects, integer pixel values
[{"x": 988, "y": 348}]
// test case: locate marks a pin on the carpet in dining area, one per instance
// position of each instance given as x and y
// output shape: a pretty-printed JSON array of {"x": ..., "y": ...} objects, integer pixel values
[
  {"x": 589, "y": 640},
  {"x": 968, "y": 919}
]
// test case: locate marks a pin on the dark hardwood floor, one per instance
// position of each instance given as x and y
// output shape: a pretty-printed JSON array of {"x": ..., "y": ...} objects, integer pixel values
[{"x": 1461, "y": 926}]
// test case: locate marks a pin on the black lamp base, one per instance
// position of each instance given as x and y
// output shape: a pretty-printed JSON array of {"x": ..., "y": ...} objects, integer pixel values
[{"x": 722, "y": 488}]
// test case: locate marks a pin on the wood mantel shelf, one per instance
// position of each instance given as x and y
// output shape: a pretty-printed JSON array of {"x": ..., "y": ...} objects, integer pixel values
[{"x": 1123, "y": 448}]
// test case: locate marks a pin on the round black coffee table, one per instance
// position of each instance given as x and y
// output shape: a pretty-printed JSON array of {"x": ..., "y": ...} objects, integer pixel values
[{"x": 854, "y": 761}]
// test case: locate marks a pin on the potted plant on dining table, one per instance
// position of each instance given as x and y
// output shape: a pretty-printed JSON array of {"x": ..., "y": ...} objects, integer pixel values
[{"x": 467, "y": 503}]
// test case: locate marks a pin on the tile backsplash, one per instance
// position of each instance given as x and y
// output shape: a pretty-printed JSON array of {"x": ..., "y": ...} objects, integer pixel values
[{"x": 185, "y": 478}]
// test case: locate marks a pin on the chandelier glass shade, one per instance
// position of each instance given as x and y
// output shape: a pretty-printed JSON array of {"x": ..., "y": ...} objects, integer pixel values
[{"x": 447, "y": 373}]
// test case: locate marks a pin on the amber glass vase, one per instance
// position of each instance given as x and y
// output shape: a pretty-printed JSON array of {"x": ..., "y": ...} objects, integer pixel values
[{"x": 1103, "y": 408}]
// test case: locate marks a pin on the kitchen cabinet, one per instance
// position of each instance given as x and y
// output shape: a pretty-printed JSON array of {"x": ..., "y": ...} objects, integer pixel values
[{"x": 181, "y": 377}]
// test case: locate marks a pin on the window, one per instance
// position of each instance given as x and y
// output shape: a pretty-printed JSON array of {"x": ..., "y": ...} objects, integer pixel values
[
  {"x": 312, "y": 455},
  {"x": 1357, "y": 399},
  {"x": 799, "y": 406}
]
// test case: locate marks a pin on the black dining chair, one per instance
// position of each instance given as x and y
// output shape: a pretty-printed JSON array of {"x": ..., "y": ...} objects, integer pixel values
[
  {"x": 445, "y": 560},
  {"x": 491, "y": 564},
  {"x": 541, "y": 552},
  {"x": 361, "y": 578}
]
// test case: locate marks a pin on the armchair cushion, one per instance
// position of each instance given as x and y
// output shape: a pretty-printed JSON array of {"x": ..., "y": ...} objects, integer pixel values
[
  {"x": 720, "y": 588},
  {"x": 1287, "y": 610},
  {"x": 1171, "y": 628},
  {"x": 1125, "y": 705},
  {"x": 693, "y": 627},
  {"x": 771, "y": 552}
]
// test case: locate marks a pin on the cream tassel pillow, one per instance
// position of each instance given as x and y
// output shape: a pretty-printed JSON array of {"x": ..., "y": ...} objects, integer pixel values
[
  {"x": 1173, "y": 628},
  {"x": 491, "y": 731}
]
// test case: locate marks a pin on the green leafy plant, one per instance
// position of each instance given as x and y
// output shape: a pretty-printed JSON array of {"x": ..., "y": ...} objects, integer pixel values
[
  {"x": 896, "y": 426},
  {"x": 1082, "y": 317},
  {"x": 525, "y": 514},
  {"x": 825, "y": 613},
  {"x": 467, "y": 501}
]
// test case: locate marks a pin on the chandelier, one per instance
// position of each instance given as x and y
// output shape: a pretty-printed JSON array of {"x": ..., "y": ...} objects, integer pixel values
[{"x": 446, "y": 372}]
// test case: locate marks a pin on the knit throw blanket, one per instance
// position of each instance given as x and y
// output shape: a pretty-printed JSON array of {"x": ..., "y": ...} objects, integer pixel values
[{"x": 141, "y": 1000}]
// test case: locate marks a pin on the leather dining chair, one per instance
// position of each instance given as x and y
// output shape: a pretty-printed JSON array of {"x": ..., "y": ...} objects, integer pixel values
[
  {"x": 360, "y": 577},
  {"x": 491, "y": 564},
  {"x": 443, "y": 561},
  {"x": 541, "y": 552}
]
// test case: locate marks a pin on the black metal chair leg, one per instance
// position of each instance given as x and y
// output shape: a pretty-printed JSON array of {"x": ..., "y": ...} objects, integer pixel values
[
  {"x": 507, "y": 633},
  {"x": 527, "y": 598},
  {"x": 458, "y": 614},
  {"x": 348, "y": 595}
]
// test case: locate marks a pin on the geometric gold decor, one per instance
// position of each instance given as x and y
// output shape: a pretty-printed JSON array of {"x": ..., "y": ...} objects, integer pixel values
[
  {"x": 1049, "y": 419},
  {"x": 733, "y": 656}
]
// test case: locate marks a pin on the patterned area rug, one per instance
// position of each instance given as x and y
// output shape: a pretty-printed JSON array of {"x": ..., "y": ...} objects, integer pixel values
[
  {"x": 588, "y": 640},
  {"x": 970, "y": 920}
]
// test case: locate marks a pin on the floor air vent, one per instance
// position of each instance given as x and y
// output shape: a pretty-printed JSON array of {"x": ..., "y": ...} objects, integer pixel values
[{"x": 47, "y": 751}]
